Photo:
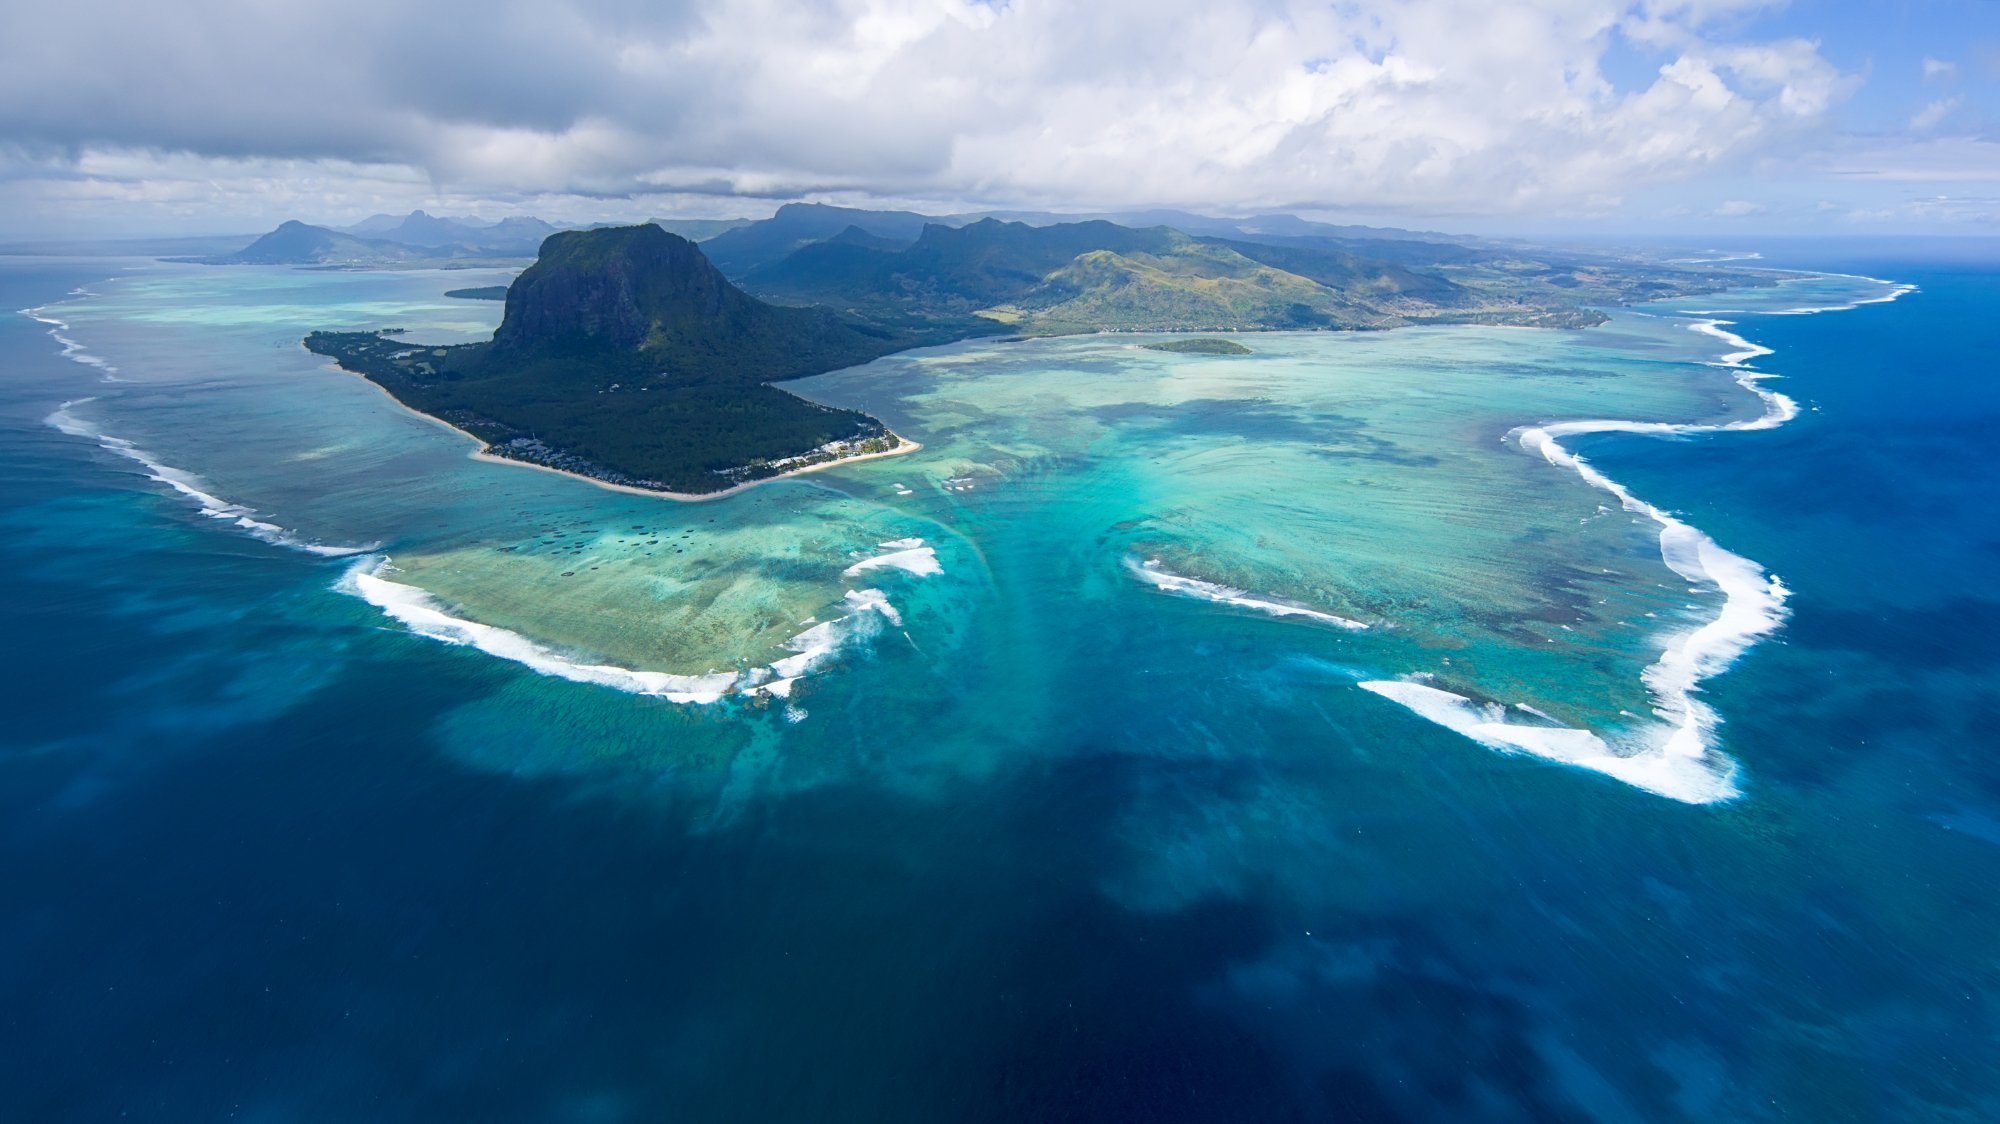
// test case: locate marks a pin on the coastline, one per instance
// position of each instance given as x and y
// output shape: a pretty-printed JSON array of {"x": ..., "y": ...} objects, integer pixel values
[{"x": 484, "y": 453}]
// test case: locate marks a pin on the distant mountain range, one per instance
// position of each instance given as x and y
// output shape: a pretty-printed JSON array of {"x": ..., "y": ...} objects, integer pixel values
[
  {"x": 750, "y": 245},
  {"x": 420, "y": 229},
  {"x": 382, "y": 241},
  {"x": 739, "y": 246},
  {"x": 420, "y": 237},
  {"x": 1098, "y": 275},
  {"x": 796, "y": 225},
  {"x": 1042, "y": 274}
]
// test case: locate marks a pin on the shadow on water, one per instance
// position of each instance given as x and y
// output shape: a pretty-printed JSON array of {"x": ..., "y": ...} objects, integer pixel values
[{"x": 314, "y": 916}]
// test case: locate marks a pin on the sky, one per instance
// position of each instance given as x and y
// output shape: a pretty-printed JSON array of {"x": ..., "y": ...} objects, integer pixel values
[{"x": 129, "y": 117}]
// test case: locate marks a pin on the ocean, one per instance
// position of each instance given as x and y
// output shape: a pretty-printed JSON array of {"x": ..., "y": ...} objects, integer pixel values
[{"x": 1448, "y": 724}]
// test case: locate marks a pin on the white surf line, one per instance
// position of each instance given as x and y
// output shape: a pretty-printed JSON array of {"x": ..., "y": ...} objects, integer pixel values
[
  {"x": 1813, "y": 310},
  {"x": 812, "y": 649},
  {"x": 1487, "y": 724},
  {"x": 909, "y": 555},
  {"x": 1679, "y": 757},
  {"x": 192, "y": 486},
  {"x": 1154, "y": 574},
  {"x": 1896, "y": 289},
  {"x": 1748, "y": 255},
  {"x": 71, "y": 349}
]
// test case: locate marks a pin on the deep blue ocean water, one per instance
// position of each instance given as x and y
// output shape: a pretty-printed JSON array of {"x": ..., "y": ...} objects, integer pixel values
[{"x": 268, "y": 857}]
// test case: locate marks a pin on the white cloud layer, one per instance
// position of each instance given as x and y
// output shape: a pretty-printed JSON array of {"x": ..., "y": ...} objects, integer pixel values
[{"x": 1434, "y": 107}]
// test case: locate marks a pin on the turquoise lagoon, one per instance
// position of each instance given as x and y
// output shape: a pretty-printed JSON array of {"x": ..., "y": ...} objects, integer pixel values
[
  {"x": 1400, "y": 504},
  {"x": 1300, "y": 735}
]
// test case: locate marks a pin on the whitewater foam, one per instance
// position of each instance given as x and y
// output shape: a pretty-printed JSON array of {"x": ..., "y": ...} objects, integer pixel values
[
  {"x": 1893, "y": 291},
  {"x": 1705, "y": 781},
  {"x": 1778, "y": 408},
  {"x": 1747, "y": 255},
  {"x": 1153, "y": 573},
  {"x": 71, "y": 349},
  {"x": 194, "y": 488},
  {"x": 1677, "y": 755},
  {"x": 812, "y": 649},
  {"x": 908, "y": 555}
]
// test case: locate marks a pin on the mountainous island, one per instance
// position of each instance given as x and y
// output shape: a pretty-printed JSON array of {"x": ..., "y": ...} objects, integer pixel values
[
  {"x": 414, "y": 240},
  {"x": 627, "y": 355}
]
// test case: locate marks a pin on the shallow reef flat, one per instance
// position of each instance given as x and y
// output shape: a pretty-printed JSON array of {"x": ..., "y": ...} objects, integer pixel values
[{"x": 1408, "y": 488}]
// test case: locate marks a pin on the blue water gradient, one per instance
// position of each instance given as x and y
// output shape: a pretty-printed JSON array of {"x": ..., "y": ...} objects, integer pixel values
[{"x": 269, "y": 856}]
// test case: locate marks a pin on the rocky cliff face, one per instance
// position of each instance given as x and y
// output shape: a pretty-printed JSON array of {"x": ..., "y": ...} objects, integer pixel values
[{"x": 621, "y": 288}]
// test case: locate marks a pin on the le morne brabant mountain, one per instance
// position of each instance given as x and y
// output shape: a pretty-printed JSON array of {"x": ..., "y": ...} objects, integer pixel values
[{"x": 626, "y": 354}]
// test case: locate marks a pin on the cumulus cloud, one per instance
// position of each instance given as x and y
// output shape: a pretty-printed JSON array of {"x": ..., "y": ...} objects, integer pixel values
[
  {"x": 1932, "y": 115},
  {"x": 1432, "y": 106}
]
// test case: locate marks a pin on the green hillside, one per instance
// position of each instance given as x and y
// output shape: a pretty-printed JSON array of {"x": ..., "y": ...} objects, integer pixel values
[
  {"x": 625, "y": 355},
  {"x": 737, "y": 251},
  {"x": 1096, "y": 275},
  {"x": 1193, "y": 287}
]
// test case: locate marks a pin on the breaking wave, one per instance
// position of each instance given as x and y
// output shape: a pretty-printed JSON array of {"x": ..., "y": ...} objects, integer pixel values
[
  {"x": 908, "y": 555},
  {"x": 194, "y": 488},
  {"x": 1152, "y": 573},
  {"x": 71, "y": 349},
  {"x": 1677, "y": 757},
  {"x": 424, "y": 615},
  {"x": 1891, "y": 290}
]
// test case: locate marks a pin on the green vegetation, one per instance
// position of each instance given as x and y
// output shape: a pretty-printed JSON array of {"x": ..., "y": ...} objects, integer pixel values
[
  {"x": 1558, "y": 285},
  {"x": 482, "y": 293},
  {"x": 1198, "y": 347},
  {"x": 747, "y": 247},
  {"x": 1191, "y": 286},
  {"x": 948, "y": 272},
  {"x": 624, "y": 355},
  {"x": 1099, "y": 276}
]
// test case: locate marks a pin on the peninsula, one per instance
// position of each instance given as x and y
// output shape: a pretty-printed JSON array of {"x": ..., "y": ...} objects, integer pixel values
[{"x": 624, "y": 356}]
